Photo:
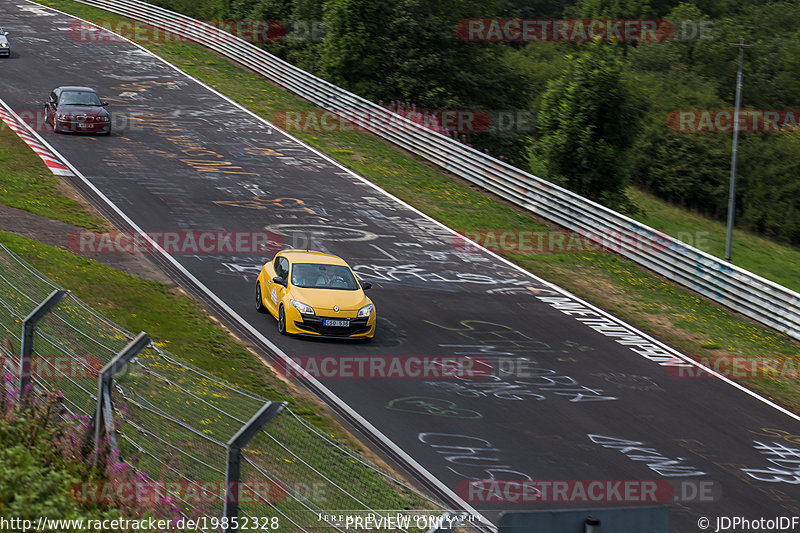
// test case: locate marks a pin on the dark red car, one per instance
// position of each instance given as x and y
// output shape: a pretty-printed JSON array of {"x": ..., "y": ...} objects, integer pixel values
[{"x": 77, "y": 109}]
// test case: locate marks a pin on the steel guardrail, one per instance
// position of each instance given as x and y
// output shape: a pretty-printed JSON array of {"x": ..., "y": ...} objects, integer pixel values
[{"x": 738, "y": 289}]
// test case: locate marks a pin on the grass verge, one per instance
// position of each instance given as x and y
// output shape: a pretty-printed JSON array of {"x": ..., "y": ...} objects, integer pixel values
[
  {"x": 179, "y": 323},
  {"x": 674, "y": 314},
  {"x": 25, "y": 183},
  {"x": 774, "y": 261}
]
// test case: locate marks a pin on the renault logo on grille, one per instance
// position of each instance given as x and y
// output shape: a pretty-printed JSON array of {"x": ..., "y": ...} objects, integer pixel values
[{"x": 336, "y": 308}]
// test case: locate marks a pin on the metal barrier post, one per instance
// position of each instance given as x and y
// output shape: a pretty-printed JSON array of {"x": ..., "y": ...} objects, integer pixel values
[
  {"x": 103, "y": 420},
  {"x": 28, "y": 327},
  {"x": 233, "y": 470}
]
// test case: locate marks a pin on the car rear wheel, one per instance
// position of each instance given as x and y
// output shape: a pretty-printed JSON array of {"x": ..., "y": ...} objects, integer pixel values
[
  {"x": 260, "y": 307},
  {"x": 281, "y": 320}
]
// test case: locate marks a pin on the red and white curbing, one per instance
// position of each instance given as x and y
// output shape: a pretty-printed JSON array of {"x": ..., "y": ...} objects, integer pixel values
[{"x": 25, "y": 133}]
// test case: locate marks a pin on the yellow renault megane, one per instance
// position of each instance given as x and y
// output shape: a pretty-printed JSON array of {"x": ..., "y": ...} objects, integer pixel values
[{"x": 316, "y": 294}]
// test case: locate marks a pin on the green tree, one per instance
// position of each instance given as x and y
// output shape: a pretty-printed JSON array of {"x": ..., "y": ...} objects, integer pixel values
[
  {"x": 768, "y": 188},
  {"x": 685, "y": 167},
  {"x": 352, "y": 52},
  {"x": 588, "y": 118}
]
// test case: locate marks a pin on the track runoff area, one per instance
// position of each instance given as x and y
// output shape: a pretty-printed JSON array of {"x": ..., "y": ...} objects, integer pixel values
[{"x": 498, "y": 388}]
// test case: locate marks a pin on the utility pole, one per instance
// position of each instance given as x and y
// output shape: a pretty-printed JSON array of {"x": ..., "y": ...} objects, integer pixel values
[{"x": 732, "y": 188}]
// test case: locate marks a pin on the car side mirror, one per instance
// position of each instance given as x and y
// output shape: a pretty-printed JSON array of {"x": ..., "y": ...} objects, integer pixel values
[
  {"x": 366, "y": 285},
  {"x": 104, "y": 104},
  {"x": 5, "y": 33},
  {"x": 280, "y": 281}
]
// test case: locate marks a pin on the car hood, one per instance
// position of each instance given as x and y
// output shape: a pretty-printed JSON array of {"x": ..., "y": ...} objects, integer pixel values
[
  {"x": 325, "y": 299},
  {"x": 92, "y": 111}
]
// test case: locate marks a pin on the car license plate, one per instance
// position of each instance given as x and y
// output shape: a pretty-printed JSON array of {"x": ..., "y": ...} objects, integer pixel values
[
  {"x": 336, "y": 323},
  {"x": 84, "y": 126}
]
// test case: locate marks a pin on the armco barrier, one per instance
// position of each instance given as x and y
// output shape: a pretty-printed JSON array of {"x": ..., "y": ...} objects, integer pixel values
[{"x": 734, "y": 287}]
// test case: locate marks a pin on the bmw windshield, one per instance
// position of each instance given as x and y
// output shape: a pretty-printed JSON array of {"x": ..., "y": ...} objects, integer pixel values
[{"x": 82, "y": 98}]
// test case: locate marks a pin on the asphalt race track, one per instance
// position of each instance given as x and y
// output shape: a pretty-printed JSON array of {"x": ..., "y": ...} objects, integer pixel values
[{"x": 580, "y": 397}]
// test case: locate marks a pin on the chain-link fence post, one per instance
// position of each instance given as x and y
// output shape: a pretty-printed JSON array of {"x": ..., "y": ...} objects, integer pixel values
[
  {"x": 28, "y": 328},
  {"x": 7, "y": 365},
  {"x": 233, "y": 470},
  {"x": 103, "y": 420}
]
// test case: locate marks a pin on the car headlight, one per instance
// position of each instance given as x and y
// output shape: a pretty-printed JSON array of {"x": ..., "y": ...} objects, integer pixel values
[
  {"x": 3, "y": 45},
  {"x": 303, "y": 308},
  {"x": 102, "y": 119},
  {"x": 365, "y": 311}
]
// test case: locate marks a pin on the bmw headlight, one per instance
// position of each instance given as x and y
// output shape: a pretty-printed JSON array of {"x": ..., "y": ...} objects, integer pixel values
[
  {"x": 3, "y": 45},
  {"x": 303, "y": 308},
  {"x": 365, "y": 311},
  {"x": 102, "y": 118}
]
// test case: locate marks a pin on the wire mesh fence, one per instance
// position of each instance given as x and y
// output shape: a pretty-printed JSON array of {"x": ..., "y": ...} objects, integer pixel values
[{"x": 173, "y": 423}]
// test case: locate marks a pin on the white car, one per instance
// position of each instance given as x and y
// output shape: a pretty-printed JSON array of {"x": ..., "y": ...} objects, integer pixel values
[{"x": 5, "y": 46}]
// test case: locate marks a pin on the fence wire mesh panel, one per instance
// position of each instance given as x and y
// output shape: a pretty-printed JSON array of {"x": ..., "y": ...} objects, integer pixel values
[
  {"x": 314, "y": 479},
  {"x": 72, "y": 343},
  {"x": 172, "y": 423},
  {"x": 763, "y": 300},
  {"x": 21, "y": 290}
]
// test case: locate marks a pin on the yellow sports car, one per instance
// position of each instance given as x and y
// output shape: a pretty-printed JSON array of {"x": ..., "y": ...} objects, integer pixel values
[{"x": 313, "y": 293}]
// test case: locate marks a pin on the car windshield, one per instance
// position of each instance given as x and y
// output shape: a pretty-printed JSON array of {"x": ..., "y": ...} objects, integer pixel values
[
  {"x": 79, "y": 98},
  {"x": 316, "y": 276}
]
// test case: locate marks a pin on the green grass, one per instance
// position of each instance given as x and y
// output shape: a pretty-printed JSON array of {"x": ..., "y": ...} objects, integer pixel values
[
  {"x": 664, "y": 309},
  {"x": 773, "y": 261},
  {"x": 25, "y": 183},
  {"x": 179, "y": 323}
]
